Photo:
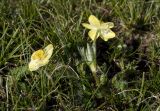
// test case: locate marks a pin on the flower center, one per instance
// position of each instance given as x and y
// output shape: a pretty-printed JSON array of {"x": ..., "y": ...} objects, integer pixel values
[
  {"x": 105, "y": 31},
  {"x": 39, "y": 54}
]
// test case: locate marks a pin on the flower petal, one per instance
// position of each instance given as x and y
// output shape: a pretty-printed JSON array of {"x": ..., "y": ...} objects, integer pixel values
[
  {"x": 107, "y": 34},
  {"x": 88, "y": 26},
  {"x": 107, "y": 25},
  {"x": 94, "y": 21},
  {"x": 93, "y": 34},
  {"x": 110, "y": 24},
  {"x": 35, "y": 64},
  {"x": 48, "y": 51}
]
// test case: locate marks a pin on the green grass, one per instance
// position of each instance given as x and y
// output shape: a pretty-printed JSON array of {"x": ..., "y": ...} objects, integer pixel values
[{"x": 129, "y": 65}]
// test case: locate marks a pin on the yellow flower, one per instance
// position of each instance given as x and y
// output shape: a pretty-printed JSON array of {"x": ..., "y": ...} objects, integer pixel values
[
  {"x": 99, "y": 28},
  {"x": 40, "y": 57}
]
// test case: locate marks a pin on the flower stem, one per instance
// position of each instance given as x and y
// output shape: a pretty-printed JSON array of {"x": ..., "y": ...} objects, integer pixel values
[
  {"x": 93, "y": 65},
  {"x": 95, "y": 77}
]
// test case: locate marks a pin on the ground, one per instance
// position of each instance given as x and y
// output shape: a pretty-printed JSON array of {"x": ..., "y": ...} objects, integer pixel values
[{"x": 128, "y": 65}]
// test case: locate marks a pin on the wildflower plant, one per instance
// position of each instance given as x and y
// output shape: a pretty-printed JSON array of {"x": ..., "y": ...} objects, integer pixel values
[{"x": 97, "y": 29}]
